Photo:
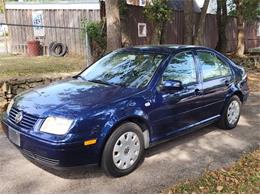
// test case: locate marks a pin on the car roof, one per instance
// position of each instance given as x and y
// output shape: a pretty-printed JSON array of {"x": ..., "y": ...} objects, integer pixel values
[{"x": 165, "y": 49}]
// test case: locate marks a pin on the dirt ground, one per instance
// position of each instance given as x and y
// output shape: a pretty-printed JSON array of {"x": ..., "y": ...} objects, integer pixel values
[{"x": 254, "y": 81}]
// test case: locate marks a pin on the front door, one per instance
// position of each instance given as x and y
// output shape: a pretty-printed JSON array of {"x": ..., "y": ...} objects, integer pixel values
[{"x": 178, "y": 110}]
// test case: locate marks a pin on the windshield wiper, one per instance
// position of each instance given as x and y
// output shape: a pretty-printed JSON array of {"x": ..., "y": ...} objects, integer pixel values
[
  {"x": 101, "y": 82},
  {"x": 79, "y": 76}
]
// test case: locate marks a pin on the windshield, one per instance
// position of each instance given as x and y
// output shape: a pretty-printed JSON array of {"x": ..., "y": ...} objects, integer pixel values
[{"x": 129, "y": 69}]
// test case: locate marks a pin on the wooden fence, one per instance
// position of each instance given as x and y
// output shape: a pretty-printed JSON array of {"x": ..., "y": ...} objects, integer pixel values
[
  {"x": 174, "y": 30},
  {"x": 76, "y": 43},
  {"x": 70, "y": 35}
]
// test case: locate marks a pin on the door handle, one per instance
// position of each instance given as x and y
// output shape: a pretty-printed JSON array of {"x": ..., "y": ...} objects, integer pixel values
[{"x": 198, "y": 92}]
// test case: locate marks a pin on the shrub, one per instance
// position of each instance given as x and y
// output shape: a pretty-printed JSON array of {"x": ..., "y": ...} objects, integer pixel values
[
  {"x": 97, "y": 36},
  {"x": 158, "y": 13}
]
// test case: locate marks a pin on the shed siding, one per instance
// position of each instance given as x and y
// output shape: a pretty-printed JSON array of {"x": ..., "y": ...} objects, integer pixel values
[{"x": 55, "y": 18}]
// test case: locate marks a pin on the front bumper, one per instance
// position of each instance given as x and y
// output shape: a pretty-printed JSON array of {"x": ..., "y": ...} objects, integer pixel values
[{"x": 55, "y": 155}]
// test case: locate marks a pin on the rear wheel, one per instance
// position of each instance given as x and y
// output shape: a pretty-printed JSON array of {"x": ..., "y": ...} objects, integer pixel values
[
  {"x": 124, "y": 150},
  {"x": 231, "y": 113}
]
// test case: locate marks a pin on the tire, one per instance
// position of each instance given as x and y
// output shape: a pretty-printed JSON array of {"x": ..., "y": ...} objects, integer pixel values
[
  {"x": 50, "y": 47},
  {"x": 119, "y": 150},
  {"x": 227, "y": 122},
  {"x": 58, "y": 49}
]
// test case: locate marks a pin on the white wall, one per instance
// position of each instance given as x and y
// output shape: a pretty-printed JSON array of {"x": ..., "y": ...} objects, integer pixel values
[{"x": 90, "y": 5}]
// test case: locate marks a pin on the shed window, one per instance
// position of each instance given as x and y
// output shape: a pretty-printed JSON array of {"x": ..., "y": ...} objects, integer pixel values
[
  {"x": 142, "y": 2},
  {"x": 142, "y": 30}
]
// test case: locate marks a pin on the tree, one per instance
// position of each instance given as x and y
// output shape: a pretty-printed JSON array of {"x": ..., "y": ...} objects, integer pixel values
[
  {"x": 96, "y": 36},
  {"x": 246, "y": 11},
  {"x": 188, "y": 22},
  {"x": 200, "y": 27},
  {"x": 222, "y": 23},
  {"x": 114, "y": 38},
  {"x": 240, "y": 49},
  {"x": 1, "y": 9},
  {"x": 158, "y": 13},
  {"x": 1, "y": 6}
]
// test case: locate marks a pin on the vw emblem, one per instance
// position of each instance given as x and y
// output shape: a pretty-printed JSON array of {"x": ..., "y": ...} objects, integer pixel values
[{"x": 18, "y": 117}]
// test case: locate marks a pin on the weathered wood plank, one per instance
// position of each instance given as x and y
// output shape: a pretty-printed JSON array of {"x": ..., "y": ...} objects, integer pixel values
[{"x": 59, "y": 18}]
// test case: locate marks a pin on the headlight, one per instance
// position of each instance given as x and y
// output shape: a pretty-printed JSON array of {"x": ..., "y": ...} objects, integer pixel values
[
  {"x": 9, "y": 107},
  {"x": 56, "y": 125}
]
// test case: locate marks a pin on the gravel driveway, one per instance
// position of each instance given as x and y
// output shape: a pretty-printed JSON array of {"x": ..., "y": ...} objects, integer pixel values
[{"x": 165, "y": 164}]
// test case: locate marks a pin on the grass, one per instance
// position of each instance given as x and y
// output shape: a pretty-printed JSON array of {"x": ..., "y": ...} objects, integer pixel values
[
  {"x": 13, "y": 66},
  {"x": 241, "y": 177}
]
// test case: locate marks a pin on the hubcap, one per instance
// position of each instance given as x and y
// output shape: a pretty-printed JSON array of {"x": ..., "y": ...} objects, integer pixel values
[
  {"x": 126, "y": 150},
  {"x": 233, "y": 112}
]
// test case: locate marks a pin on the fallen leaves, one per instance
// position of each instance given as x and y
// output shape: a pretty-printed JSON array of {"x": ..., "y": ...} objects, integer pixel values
[
  {"x": 219, "y": 188},
  {"x": 254, "y": 81},
  {"x": 242, "y": 177}
]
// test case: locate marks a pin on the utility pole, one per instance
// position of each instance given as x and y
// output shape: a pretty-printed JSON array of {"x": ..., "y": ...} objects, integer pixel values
[{"x": 5, "y": 16}]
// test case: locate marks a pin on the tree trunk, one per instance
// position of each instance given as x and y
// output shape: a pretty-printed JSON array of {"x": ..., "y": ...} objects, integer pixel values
[
  {"x": 114, "y": 38},
  {"x": 155, "y": 31},
  {"x": 198, "y": 40},
  {"x": 222, "y": 23},
  {"x": 240, "y": 49},
  {"x": 188, "y": 22},
  {"x": 162, "y": 34},
  {"x": 126, "y": 38}
]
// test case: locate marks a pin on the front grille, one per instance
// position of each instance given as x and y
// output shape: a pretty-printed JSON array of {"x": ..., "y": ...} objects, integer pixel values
[
  {"x": 41, "y": 159},
  {"x": 28, "y": 121}
]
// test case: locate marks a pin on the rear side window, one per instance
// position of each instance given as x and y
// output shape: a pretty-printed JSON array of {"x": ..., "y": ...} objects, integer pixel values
[
  {"x": 212, "y": 67},
  {"x": 181, "y": 68}
]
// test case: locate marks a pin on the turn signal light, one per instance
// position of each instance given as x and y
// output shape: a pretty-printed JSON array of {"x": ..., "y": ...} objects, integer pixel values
[{"x": 90, "y": 142}]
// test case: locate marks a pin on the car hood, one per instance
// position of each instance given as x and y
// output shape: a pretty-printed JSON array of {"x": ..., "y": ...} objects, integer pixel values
[{"x": 69, "y": 97}]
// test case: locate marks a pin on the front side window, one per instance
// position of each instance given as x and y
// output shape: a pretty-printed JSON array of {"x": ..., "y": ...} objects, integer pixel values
[
  {"x": 212, "y": 67},
  {"x": 181, "y": 68},
  {"x": 126, "y": 68}
]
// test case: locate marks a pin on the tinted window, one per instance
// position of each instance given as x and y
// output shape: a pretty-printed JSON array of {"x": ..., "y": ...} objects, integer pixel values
[
  {"x": 181, "y": 68},
  {"x": 125, "y": 68},
  {"x": 212, "y": 67}
]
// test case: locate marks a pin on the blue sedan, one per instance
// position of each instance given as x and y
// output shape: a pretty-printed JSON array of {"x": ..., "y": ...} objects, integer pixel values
[{"x": 126, "y": 102}]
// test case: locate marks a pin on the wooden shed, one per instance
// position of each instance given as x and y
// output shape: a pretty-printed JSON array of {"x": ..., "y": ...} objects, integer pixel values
[{"x": 59, "y": 22}]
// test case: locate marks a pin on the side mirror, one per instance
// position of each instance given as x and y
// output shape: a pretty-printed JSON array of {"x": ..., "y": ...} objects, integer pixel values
[{"x": 171, "y": 86}]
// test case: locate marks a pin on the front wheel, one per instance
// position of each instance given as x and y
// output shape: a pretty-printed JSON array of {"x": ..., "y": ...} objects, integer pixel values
[
  {"x": 231, "y": 114},
  {"x": 124, "y": 150}
]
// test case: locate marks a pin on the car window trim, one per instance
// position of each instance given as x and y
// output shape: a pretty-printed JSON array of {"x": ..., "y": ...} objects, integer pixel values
[
  {"x": 215, "y": 78},
  {"x": 165, "y": 57}
]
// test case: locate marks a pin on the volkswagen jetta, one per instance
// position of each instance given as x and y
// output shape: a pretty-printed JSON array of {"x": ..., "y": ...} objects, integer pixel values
[{"x": 126, "y": 102}]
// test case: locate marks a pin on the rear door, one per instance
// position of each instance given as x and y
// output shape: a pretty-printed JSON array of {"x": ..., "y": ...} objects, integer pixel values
[{"x": 217, "y": 77}]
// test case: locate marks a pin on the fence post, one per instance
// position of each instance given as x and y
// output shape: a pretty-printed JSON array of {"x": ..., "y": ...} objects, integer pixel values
[
  {"x": 5, "y": 15},
  {"x": 89, "y": 57}
]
